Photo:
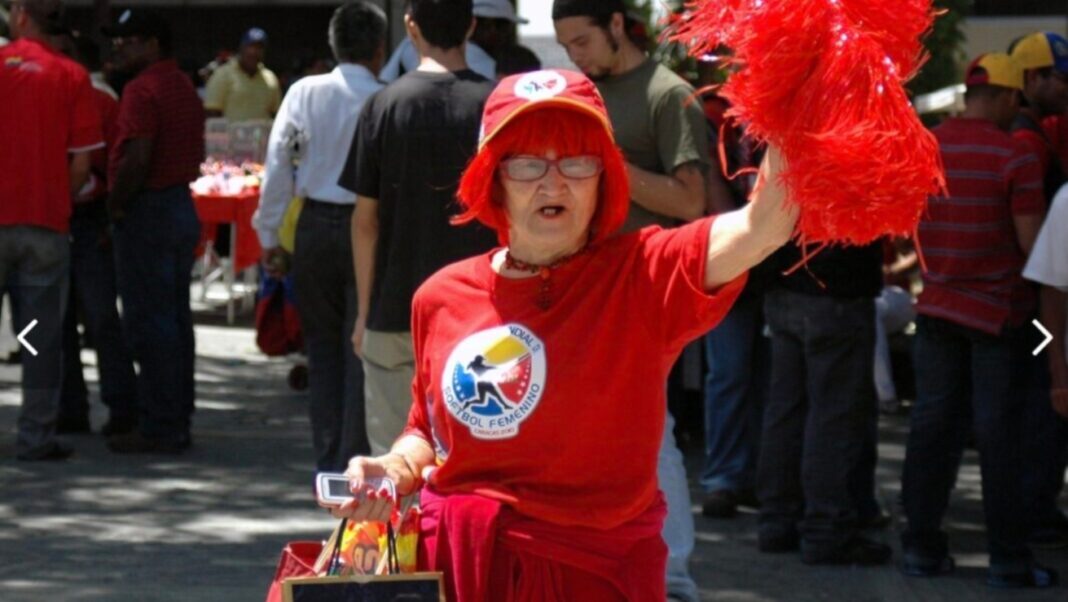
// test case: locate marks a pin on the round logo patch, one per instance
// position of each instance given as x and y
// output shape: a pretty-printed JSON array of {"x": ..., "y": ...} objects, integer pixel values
[
  {"x": 494, "y": 379},
  {"x": 540, "y": 85}
]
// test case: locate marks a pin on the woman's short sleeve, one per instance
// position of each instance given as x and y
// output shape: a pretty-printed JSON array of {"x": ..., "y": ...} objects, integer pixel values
[{"x": 673, "y": 264}]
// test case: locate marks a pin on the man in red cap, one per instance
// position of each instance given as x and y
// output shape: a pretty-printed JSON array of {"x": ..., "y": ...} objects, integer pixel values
[
  {"x": 970, "y": 342},
  {"x": 48, "y": 101}
]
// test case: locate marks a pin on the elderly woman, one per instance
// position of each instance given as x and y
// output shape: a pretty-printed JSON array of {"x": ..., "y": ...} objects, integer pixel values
[{"x": 539, "y": 399}]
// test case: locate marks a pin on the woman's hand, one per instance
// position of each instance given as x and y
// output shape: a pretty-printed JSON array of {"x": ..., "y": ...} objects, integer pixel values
[
  {"x": 375, "y": 505},
  {"x": 743, "y": 238},
  {"x": 772, "y": 217}
]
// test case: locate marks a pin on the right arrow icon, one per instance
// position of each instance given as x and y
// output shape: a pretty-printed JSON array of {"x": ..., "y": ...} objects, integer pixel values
[{"x": 1045, "y": 333}]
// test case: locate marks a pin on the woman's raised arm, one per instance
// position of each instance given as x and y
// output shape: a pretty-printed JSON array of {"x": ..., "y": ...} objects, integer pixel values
[{"x": 743, "y": 238}]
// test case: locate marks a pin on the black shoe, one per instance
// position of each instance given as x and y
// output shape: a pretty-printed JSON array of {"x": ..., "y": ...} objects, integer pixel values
[
  {"x": 52, "y": 453},
  {"x": 779, "y": 543},
  {"x": 747, "y": 498},
  {"x": 1053, "y": 535},
  {"x": 73, "y": 426},
  {"x": 136, "y": 443},
  {"x": 857, "y": 551},
  {"x": 878, "y": 521},
  {"x": 115, "y": 427},
  {"x": 720, "y": 504},
  {"x": 1035, "y": 576},
  {"x": 917, "y": 564},
  {"x": 890, "y": 407},
  {"x": 186, "y": 441}
]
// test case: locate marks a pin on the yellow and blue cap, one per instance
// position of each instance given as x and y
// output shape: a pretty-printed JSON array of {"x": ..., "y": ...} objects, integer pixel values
[{"x": 1040, "y": 50}]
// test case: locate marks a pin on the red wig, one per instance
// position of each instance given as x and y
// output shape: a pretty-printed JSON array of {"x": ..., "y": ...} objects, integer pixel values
[{"x": 536, "y": 132}]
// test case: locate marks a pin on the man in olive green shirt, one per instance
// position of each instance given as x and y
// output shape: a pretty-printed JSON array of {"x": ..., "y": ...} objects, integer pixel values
[
  {"x": 243, "y": 89},
  {"x": 658, "y": 125},
  {"x": 663, "y": 135}
]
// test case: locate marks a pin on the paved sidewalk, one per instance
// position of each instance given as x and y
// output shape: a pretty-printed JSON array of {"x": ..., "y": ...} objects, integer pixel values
[{"x": 208, "y": 526}]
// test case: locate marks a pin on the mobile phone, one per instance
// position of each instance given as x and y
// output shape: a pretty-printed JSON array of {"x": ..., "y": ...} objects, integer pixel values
[{"x": 332, "y": 489}]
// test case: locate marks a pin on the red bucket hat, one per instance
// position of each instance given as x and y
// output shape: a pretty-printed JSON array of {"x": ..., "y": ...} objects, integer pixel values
[{"x": 524, "y": 92}]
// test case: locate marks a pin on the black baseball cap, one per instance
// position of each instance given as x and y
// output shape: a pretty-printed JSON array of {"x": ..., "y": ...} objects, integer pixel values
[
  {"x": 142, "y": 23},
  {"x": 563, "y": 9}
]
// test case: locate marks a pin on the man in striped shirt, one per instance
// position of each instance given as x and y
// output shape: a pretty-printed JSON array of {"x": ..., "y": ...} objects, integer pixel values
[{"x": 969, "y": 337}]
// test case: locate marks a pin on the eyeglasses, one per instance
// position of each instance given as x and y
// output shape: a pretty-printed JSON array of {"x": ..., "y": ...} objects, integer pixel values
[{"x": 528, "y": 169}]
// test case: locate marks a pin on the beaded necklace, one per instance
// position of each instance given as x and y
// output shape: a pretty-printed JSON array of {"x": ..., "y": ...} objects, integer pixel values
[{"x": 543, "y": 300}]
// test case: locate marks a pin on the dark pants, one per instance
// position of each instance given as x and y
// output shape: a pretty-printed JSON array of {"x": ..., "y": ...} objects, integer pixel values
[
  {"x": 154, "y": 246},
  {"x": 818, "y": 416},
  {"x": 35, "y": 268},
  {"x": 95, "y": 292},
  {"x": 965, "y": 378},
  {"x": 735, "y": 391},
  {"x": 1045, "y": 448},
  {"x": 326, "y": 300}
]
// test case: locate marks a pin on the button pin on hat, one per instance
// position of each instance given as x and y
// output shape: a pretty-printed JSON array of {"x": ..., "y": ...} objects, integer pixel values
[{"x": 539, "y": 85}]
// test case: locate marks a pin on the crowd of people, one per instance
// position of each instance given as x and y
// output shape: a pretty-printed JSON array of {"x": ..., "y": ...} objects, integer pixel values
[{"x": 493, "y": 261}]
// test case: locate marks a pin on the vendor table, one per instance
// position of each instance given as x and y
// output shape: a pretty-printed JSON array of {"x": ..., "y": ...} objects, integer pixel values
[{"x": 244, "y": 248}]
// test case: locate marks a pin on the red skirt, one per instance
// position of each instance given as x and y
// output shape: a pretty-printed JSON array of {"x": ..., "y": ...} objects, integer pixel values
[{"x": 489, "y": 552}]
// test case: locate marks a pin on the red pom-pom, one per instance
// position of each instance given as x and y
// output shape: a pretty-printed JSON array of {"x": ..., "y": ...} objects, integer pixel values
[{"x": 823, "y": 80}]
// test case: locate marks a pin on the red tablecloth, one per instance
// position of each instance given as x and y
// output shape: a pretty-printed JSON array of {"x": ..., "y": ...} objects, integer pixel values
[{"x": 226, "y": 209}]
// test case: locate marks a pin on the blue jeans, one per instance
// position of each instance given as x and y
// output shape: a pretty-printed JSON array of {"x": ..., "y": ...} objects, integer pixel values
[
  {"x": 735, "y": 390},
  {"x": 154, "y": 244},
  {"x": 817, "y": 423},
  {"x": 35, "y": 267},
  {"x": 95, "y": 291},
  {"x": 678, "y": 531},
  {"x": 325, "y": 287},
  {"x": 965, "y": 380}
]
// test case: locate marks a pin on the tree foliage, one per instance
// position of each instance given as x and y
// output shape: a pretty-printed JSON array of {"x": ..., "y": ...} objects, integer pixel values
[{"x": 944, "y": 46}]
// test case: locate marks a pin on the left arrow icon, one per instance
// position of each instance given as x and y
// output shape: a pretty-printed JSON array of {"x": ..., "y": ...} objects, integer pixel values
[{"x": 22, "y": 338}]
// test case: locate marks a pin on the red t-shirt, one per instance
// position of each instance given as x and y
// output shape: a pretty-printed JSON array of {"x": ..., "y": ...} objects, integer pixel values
[
  {"x": 96, "y": 188},
  {"x": 1055, "y": 127},
  {"x": 974, "y": 262},
  {"x": 1037, "y": 145},
  {"x": 161, "y": 104},
  {"x": 46, "y": 112},
  {"x": 560, "y": 412}
]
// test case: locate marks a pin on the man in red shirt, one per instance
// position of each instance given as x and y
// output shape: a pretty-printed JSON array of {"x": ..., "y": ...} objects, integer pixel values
[
  {"x": 969, "y": 335},
  {"x": 157, "y": 152},
  {"x": 49, "y": 127}
]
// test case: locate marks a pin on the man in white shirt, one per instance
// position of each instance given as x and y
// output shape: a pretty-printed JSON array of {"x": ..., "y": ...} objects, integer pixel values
[
  {"x": 1048, "y": 266},
  {"x": 308, "y": 146},
  {"x": 492, "y": 17}
]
